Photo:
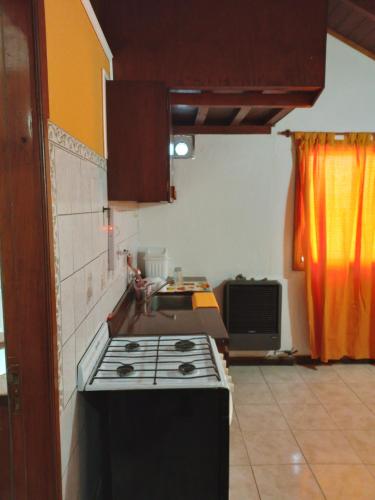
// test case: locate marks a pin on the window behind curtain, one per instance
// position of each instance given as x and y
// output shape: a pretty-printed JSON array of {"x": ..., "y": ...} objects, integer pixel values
[{"x": 349, "y": 205}]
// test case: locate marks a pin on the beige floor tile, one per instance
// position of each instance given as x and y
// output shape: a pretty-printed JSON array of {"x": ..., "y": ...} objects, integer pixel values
[
  {"x": 370, "y": 406},
  {"x": 235, "y": 424},
  {"x": 355, "y": 373},
  {"x": 272, "y": 447},
  {"x": 364, "y": 390},
  {"x": 281, "y": 374},
  {"x": 335, "y": 392},
  {"x": 318, "y": 373},
  {"x": 292, "y": 392},
  {"x": 260, "y": 417},
  {"x": 326, "y": 447},
  {"x": 371, "y": 468},
  {"x": 351, "y": 482},
  {"x": 363, "y": 442},
  {"x": 286, "y": 482},
  {"x": 307, "y": 417},
  {"x": 246, "y": 375},
  {"x": 351, "y": 417},
  {"x": 245, "y": 394},
  {"x": 242, "y": 484},
  {"x": 238, "y": 454}
]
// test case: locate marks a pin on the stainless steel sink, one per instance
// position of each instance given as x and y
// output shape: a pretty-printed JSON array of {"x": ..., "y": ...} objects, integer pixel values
[{"x": 171, "y": 302}]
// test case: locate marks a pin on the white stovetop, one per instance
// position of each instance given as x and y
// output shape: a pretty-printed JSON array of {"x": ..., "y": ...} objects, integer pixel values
[{"x": 97, "y": 370}]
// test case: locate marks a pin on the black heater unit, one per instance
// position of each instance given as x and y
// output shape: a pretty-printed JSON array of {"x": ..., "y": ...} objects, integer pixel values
[{"x": 253, "y": 314}]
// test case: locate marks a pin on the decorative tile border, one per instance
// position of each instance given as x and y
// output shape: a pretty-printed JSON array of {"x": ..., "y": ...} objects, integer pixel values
[
  {"x": 63, "y": 139},
  {"x": 52, "y": 170}
]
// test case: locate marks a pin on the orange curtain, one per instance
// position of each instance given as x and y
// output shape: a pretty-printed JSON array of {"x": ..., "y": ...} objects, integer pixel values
[{"x": 335, "y": 241}]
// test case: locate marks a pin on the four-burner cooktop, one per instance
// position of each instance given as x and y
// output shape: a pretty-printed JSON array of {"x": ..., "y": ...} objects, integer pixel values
[{"x": 154, "y": 362}]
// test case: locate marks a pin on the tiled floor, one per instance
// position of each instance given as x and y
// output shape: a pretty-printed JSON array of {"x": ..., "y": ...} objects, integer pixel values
[{"x": 303, "y": 433}]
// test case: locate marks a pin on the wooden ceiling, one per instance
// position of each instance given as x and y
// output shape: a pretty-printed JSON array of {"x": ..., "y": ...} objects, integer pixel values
[
  {"x": 234, "y": 113},
  {"x": 246, "y": 111},
  {"x": 353, "y": 22}
]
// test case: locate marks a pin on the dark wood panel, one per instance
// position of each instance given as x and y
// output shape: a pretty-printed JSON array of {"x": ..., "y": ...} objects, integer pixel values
[
  {"x": 221, "y": 129},
  {"x": 353, "y": 22},
  {"x": 5, "y": 462},
  {"x": 206, "y": 44},
  {"x": 360, "y": 36},
  {"x": 366, "y": 7},
  {"x": 26, "y": 246},
  {"x": 240, "y": 115},
  {"x": 220, "y": 116},
  {"x": 252, "y": 99},
  {"x": 138, "y": 141}
]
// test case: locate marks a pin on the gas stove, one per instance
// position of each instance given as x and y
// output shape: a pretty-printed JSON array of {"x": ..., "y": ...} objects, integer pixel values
[
  {"x": 153, "y": 404},
  {"x": 153, "y": 362}
]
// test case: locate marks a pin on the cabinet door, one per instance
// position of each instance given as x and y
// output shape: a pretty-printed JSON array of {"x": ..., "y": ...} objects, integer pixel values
[{"x": 138, "y": 141}]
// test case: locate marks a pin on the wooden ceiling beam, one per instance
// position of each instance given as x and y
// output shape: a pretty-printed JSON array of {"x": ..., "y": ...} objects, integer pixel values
[
  {"x": 221, "y": 129},
  {"x": 201, "y": 115},
  {"x": 240, "y": 115},
  {"x": 252, "y": 99},
  {"x": 365, "y": 7},
  {"x": 352, "y": 44},
  {"x": 280, "y": 113}
]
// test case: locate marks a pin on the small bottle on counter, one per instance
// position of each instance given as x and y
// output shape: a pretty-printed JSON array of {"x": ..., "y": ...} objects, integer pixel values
[{"x": 178, "y": 277}]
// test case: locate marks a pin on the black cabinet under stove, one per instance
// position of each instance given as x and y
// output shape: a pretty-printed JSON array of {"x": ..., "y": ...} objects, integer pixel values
[{"x": 168, "y": 444}]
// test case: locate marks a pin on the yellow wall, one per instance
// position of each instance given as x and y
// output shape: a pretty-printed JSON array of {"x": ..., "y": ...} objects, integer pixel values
[{"x": 75, "y": 61}]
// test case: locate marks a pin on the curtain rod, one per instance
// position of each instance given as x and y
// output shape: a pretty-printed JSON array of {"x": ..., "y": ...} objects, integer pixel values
[{"x": 289, "y": 133}]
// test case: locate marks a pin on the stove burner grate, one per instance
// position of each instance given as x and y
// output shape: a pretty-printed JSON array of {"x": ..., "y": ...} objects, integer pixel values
[
  {"x": 125, "y": 370},
  {"x": 186, "y": 368},
  {"x": 132, "y": 346},
  {"x": 184, "y": 345}
]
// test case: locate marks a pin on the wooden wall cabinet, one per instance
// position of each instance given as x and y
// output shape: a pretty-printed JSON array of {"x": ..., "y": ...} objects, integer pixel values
[
  {"x": 206, "y": 44},
  {"x": 138, "y": 121}
]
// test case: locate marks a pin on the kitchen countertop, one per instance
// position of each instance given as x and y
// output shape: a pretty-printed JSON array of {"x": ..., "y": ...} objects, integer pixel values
[{"x": 129, "y": 318}]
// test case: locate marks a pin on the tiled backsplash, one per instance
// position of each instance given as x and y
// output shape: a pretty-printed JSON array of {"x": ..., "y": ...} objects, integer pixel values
[{"x": 86, "y": 290}]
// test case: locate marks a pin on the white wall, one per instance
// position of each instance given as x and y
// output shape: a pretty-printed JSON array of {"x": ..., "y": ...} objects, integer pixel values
[
  {"x": 234, "y": 211},
  {"x": 86, "y": 290}
]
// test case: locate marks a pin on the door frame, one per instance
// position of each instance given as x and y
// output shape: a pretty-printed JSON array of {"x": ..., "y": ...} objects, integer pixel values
[{"x": 26, "y": 250}]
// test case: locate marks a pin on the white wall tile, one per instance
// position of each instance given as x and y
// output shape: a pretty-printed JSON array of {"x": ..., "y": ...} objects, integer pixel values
[
  {"x": 103, "y": 273},
  {"x": 65, "y": 230},
  {"x": 91, "y": 327},
  {"x": 82, "y": 239},
  {"x": 87, "y": 236},
  {"x": 91, "y": 285},
  {"x": 79, "y": 250},
  {"x": 67, "y": 308},
  {"x": 95, "y": 189},
  {"x": 69, "y": 426},
  {"x": 79, "y": 296},
  {"x": 76, "y": 188},
  {"x": 65, "y": 163},
  {"x": 81, "y": 335},
  {"x": 69, "y": 368},
  {"x": 103, "y": 194},
  {"x": 99, "y": 233},
  {"x": 85, "y": 185}
]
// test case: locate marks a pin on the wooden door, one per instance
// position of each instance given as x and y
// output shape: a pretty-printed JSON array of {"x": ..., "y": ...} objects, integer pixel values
[{"x": 27, "y": 272}]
